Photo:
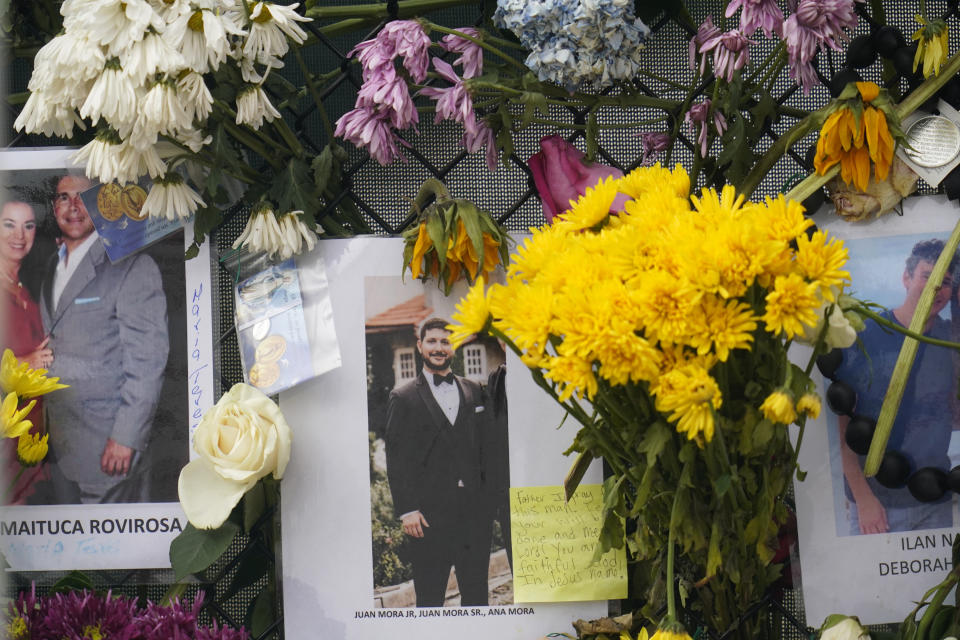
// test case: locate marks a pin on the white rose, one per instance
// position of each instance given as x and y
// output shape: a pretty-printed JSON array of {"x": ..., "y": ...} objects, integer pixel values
[
  {"x": 239, "y": 440},
  {"x": 837, "y": 627}
]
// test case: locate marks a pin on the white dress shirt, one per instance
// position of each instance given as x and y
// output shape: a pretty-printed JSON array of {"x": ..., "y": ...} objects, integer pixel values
[
  {"x": 68, "y": 265},
  {"x": 447, "y": 395}
]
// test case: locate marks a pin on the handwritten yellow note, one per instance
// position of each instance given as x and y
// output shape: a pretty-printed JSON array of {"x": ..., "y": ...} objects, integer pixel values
[{"x": 553, "y": 544}]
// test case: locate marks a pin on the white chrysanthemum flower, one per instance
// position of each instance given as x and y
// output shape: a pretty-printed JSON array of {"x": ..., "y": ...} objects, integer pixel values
[
  {"x": 99, "y": 156},
  {"x": 116, "y": 24},
  {"x": 42, "y": 115},
  {"x": 195, "y": 96},
  {"x": 201, "y": 38},
  {"x": 133, "y": 163},
  {"x": 151, "y": 55},
  {"x": 270, "y": 25},
  {"x": 192, "y": 138},
  {"x": 112, "y": 96},
  {"x": 248, "y": 69},
  {"x": 262, "y": 232},
  {"x": 253, "y": 107},
  {"x": 162, "y": 109},
  {"x": 65, "y": 62},
  {"x": 172, "y": 198},
  {"x": 295, "y": 234}
]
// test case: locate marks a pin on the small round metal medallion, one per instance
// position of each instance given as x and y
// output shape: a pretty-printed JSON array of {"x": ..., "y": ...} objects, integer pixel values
[
  {"x": 935, "y": 141},
  {"x": 261, "y": 329}
]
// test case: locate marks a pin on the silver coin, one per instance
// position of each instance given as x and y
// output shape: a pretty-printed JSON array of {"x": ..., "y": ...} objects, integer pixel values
[
  {"x": 935, "y": 141},
  {"x": 261, "y": 329}
]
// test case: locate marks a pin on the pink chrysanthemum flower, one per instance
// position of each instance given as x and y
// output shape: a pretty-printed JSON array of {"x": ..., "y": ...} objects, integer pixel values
[
  {"x": 653, "y": 143},
  {"x": 370, "y": 129},
  {"x": 482, "y": 138},
  {"x": 814, "y": 26},
  {"x": 393, "y": 97},
  {"x": 698, "y": 117},
  {"x": 453, "y": 102},
  {"x": 731, "y": 51},
  {"x": 72, "y": 614},
  {"x": 758, "y": 14},
  {"x": 471, "y": 59},
  {"x": 411, "y": 42}
]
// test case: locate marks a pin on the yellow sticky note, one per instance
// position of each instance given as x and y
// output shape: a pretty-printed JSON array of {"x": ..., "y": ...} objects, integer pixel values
[{"x": 553, "y": 545}]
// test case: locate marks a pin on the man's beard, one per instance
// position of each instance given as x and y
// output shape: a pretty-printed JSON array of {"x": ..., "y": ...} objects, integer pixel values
[{"x": 431, "y": 361}]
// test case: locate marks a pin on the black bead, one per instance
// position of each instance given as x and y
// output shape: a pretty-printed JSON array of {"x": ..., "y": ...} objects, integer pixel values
[
  {"x": 894, "y": 470},
  {"x": 928, "y": 484},
  {"x": 814, "y": 201},
  {"x": 888, "y": 39},
  {"x": 861, "y": 52},
  {"x": 842, "y": 78},
  {"x": 903, "y": 60},
  {"x": 841, "y": 398},
  {"x": 859, "y": 434},
  {"x": 951, "y": 184},
  {"x": 953, "y": 479},
  {"x": 829, "y": 362}
]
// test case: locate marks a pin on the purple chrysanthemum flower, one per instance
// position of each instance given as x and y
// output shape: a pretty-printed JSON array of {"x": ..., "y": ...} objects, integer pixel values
[
  {"x": 482, "y": 138},
  {"x": 653, "y": 143},
  {"x": 698, "y": 117},
  {"x": 453, "y": 102},
  {"x": 705, "y": 33},
  {"x": 472, "y": 54},
  {"x": 370, "y": 130},
  {"x": 731, "y": 51},
  {"x": 758, "y": 14},
  {"x": 80, "y": 615},
  {"x": 172, "y": 621},
  {"x": 24, "y": 616},
  {"x": 815, "y": 25},
  {"x": 220, "y": 633}
]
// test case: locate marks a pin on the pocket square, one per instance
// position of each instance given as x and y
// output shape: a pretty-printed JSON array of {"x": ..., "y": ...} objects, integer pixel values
[
  {"x": 86, "y": 300},
  {"x": 478, "y": 409}
]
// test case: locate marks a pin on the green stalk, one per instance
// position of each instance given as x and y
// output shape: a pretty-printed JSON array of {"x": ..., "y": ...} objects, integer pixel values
[
  {"x": 908, "y": 352},
  {"x": 671, "y": 552},
  {"x": 477, "y": 41},
  {"x": 312, "y": 88},
  {"x": 13, "y": 483},
  {"x": 879, "y": 319},
  {"x": 407, "y": 9}
]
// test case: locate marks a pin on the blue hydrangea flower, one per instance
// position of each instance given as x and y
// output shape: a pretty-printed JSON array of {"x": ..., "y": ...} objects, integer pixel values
[{"x": 576, "y": 42}]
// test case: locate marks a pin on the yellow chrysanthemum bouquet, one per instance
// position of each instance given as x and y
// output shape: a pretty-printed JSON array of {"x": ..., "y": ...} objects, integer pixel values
[
  {"x": 664, "y": 329},
  {"x": 21, "y": 386}
]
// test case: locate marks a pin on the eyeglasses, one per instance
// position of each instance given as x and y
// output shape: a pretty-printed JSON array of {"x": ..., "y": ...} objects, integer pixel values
[{"x": 66, "y": 198}]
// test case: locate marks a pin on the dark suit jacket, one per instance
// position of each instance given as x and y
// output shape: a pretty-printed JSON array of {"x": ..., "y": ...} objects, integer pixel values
[{"x": 427, "y": 457}]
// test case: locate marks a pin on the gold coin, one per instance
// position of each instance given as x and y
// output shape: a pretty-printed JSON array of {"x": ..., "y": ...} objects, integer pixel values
[
  {"x": 131, "y": 201},
  {"x": 271, "y": 349},
  {"x": 108, "y": 201},
  {"x": 264, "y": 374}
]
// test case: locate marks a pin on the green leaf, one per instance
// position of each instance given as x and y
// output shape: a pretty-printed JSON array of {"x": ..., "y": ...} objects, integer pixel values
[
  {"x": 654, "y": 440},
  {"x": 762, "y": 433},
  {"x": 196, "y": 549},
  {"x": 73, "y": 581},
  {"x": 254, "y": 502},
  {"x": 253, "y": 566},
  {"x": 576, "y": 472},
  {"x": 192, "y": 252},
  {"x": 292, "y": 189},
  {"x": 714, "y": 557},
  {"x": 737, "y": 157},
  {"x": 322, "y": 167},
  {"x": 722, "y": 484},
  {"x": 534, "y": 102},
  {"x": 437, "y": 236},
  {"x": 260, "y": 615}
]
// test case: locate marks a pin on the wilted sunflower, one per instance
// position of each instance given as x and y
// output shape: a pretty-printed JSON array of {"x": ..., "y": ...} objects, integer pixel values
[
  {"x": 861, "y": 129},
  {"x": 931, "y": 46}
]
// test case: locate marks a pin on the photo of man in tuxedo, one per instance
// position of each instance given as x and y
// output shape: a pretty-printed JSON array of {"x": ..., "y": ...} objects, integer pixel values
[{"x": 435, "y": 454}]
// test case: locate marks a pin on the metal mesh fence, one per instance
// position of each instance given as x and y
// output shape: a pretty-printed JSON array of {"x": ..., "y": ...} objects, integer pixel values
[{"x": 382, "y": 195}]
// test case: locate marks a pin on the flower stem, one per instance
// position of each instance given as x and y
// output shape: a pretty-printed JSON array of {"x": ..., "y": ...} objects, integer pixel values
[
  {"x": 879, "y": 319},
  {"x": 671, "y": 553},
  {"x": 13, "y": 483},
  {"x": 908, "y": 352},
  {"x": 312, "y": 88},
  {"x": 429, "y": 26},
  {"x": 618, "y": 125},
  {"x": 379, "y": 11}
]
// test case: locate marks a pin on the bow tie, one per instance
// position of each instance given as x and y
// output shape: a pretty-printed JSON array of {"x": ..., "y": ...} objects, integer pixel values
[{"x": 437, "y": 378}]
